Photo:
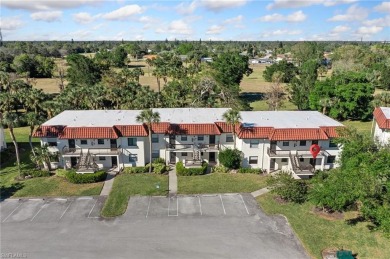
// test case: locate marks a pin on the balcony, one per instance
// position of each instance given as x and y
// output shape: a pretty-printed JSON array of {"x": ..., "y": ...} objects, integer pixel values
[
  {"x": 192, "y": 147},
  {"x": 286, "y": 153},
  {"x": 278, "y": 153},
  {"x": 68, "y": 152}
]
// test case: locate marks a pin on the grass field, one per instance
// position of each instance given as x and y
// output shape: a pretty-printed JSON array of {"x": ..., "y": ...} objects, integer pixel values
[
  {"x": 220, "y": 183},
  {"x": 36, "y": 187},
  {"x": 317, "y": 233},
  {"x": 126, "y": 185},
  {"x": 360, "y": 126}
]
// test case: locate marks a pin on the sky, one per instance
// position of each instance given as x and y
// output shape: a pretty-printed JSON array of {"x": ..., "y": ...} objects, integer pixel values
[{"x": 241, "y": 20}]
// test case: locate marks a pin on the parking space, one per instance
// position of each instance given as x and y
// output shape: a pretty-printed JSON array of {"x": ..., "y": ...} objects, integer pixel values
[
  {"x": 50, "y": 210},
  {"x": 214, "y": 205}
]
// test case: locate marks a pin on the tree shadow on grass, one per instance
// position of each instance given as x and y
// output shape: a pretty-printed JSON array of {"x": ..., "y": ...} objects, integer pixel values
[
  {"x": 8, "y": 191},
  {"x": 252, "y": 96}
]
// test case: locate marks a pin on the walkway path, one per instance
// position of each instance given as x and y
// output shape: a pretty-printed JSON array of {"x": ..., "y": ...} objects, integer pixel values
[
  {"x": 172, "y": 182},
  {"x": 260, "y": 192},
  {"x": 108, "y": 183}
]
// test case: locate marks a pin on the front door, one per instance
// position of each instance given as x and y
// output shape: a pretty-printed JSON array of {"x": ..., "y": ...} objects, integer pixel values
[
  {"x": 272, "y": 165},
  {"x": 73, "y": 161},
  {"x": 172, "y": 141},
  {"x": 113, "y": 143},
  {"x": 172, "y": 158},
  {"x": 114, "y": 161},
  {"x": 212, "y": 157},
  {"x": 71, "y": 143},
  {"x": 212, "y": 140}
]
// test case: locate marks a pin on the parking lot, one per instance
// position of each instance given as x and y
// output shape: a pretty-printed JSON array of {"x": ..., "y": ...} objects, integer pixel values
[
  {"x": 50, "y": 210},
  {"x": 199, "y": 226}
]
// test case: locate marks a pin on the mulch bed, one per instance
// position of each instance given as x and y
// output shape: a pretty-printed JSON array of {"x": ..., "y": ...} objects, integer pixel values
[{"x": 328, "y": 215}]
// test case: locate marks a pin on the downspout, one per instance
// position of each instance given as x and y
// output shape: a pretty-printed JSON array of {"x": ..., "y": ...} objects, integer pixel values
[{"x": 262, "y": 159}]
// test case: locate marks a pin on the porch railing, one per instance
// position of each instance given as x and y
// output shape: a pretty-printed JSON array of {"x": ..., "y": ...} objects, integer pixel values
[{"x": 203, "y": 147}]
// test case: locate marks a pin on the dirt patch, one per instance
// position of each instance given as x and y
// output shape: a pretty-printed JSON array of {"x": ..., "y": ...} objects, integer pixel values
[
  {"x": 280, "y": 200},
  {"x": 328, "y": 215}
]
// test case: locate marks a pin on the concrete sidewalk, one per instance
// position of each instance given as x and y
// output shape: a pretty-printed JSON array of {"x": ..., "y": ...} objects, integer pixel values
[
  {"x": 108, "y": 183},
  {"x": 260, "y": 192},
  {"x": 172, "y": 182}
]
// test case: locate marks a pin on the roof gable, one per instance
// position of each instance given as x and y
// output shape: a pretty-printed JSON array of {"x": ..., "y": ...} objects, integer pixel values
[
  {"x": 89, "y": 133},
  {"x": 381, "y": 119}
]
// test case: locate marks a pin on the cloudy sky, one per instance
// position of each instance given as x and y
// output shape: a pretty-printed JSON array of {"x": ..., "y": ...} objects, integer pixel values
[{"x": 192, "y": 20}]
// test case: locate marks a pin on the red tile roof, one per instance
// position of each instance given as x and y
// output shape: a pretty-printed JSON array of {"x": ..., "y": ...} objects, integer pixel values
[
  {"x": 298, "y": 134},
  {"x": 194, "y": 129},
  {"x": 89, "y": 133},
  {"x": 132, "y": 130},
  {"x": 224, "y": 127},
  {"x": 381, "y": 120},
  {"x": 254, "y": 132},
  {"x": 331, "y": 132},
  {"x": 48, "y": 131},
  {"x": 160, "y": 128}
]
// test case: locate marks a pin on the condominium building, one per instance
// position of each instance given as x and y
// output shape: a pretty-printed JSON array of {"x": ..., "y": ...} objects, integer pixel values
[
  {"x": 382, "y": 125},
  {"x": 271, "y": 140}
]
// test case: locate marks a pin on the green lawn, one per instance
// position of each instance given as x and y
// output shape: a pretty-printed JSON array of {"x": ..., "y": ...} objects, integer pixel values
[
  {"x": 317, "y": 233},
  {"x": 220, "y": 183},
  {"x": 126, "y": 185},
  {"x": 361, "y": 126},
  {"x": 263, "y": 106},
  {"x": 37, "y": 187}
]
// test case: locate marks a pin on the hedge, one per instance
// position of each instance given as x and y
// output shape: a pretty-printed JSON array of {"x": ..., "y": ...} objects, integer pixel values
[
  {"x": 230, "y": 158},
  {"x": 181, "y": 170},
  {"x": 136, "y": 170},
  {"x": 74, "y": 177},
  {"x": 250, "y": 171}
]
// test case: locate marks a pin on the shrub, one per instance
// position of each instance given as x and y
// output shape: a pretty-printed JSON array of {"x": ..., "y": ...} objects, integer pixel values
[
  {"x": 288, "y": 188},
  {"x": 250, "y": 171},
  {"x": 159, "y": 161},
  {"x": 136, "y": 170},
  {"x": 219, "y": 169},
  {"x": 61, "y": 172},
  {"x": 38, "y": 173},
  {"x": 74, "y": 177},
  {"x": 181, "y": 170},
  {"x": 159, "y": 168},
  {"x": 230, "y": 158}
]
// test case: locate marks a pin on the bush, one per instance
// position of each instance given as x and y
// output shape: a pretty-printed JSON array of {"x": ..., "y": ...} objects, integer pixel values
[
  {"x": 230, "y": 158},
  {"x": 136, "y": 170},
  {"x": 250, "y": 171},
  {"x": 159, "y": 168},
  {"x": 181, "y": 170},
  {"x": 61, "y": 172},
  {"x": 288, "y": 188},
  {"x": 219, "y": 169},
  {"x": 158, "y": 161},
  {"x": 38, "y": 173},
  {"x": 74, "y": 177}
]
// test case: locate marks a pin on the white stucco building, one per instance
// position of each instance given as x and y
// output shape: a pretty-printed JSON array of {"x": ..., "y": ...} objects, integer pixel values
[
  {"x": 3, "y": 144},
  {"x": 272, "y": 141},
  {"x": 382, "y": 125}
]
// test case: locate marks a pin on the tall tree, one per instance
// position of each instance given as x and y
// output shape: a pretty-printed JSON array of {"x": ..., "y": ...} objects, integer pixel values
[
  {"x": 148, "y": 117},
  {"x": 32, "y": 119},
  {"x": 82, "y": 70},
  {"x": 232, "y": 117},
  {"x": 12, "y": 120}
]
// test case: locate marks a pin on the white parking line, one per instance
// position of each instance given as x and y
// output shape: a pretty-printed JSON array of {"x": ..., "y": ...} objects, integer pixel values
[
  {"x": 223, "y": 206},
  {"x": 147, "y": 213},
  {"x": 244, "y": 204},
  {"x": 63, "y": 213},
  {"x": 85, "y": 198},
  {"x": 12, "y": 212},
  {"x": 43, "y": 206},
  {"x": 92, "y": 209},
  {"x": 200, "y": 206}
]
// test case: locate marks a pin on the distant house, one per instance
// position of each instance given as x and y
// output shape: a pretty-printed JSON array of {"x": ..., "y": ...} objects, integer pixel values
[
  {"x": 382, "y": 125},
  {"x": 207, "y": 59},
  {"x": 254, "y": 61}
]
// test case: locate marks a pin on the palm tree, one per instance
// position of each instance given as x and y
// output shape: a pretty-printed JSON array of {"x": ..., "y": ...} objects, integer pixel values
[
  {"x": 12, "y": 120},
  {"x": 32, "y": 119},
  {"x": 148, "y": 117},
  {"x": 232, "y": 117},
  {"x": 42, "y": 157}
]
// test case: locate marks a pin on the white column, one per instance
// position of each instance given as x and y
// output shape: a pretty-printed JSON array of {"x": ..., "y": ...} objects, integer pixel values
[{"x": 323, "y": 163}]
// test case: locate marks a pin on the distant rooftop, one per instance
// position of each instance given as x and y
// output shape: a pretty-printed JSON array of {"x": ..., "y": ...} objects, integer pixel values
[
  {"x": 191, "y": 115},
  {"x": 386, "y": 112}
]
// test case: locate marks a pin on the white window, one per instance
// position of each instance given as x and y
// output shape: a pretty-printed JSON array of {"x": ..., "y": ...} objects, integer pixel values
[
  {"x": 229, "y": 138},
  {"x": 154, "y": 138},
  {"x": 286, "y": 143},
  {"x": 254, "y": 143},
  {"x": 302, "y": 143},
  {"x": 284, "y": 160},
  {"x": 83, "y": 142},
  {"x": 155, "y": 154},
  {"x": 100, "y": 141},
  {"x": 184, "y": 154},
  {"x": 52, "y": 143},
  {"x": 200, "y": 138},
  {"x": 102, "y": 158},
  {"x": 132, "y": 142},
  {"x": 183, "y": 138},
  {"x": 133, "y": 158},
  {"x": 253, "y": 160}
]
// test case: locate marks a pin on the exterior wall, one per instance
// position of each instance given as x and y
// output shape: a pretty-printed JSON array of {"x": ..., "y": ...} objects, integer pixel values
[
  {"x": 141, "y": 150},
  {"x": 259, "y": 151},
  {"x": 381, "y": 135}
]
